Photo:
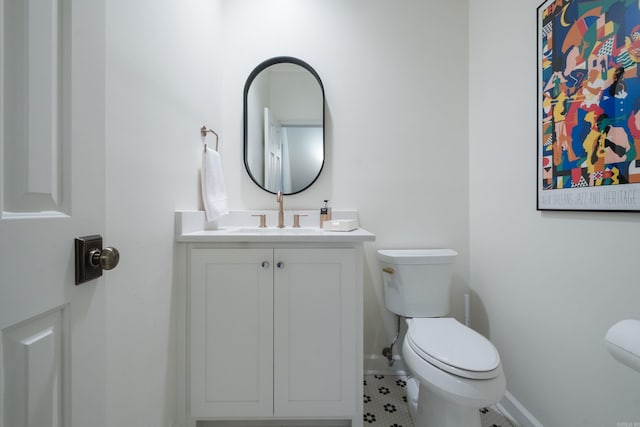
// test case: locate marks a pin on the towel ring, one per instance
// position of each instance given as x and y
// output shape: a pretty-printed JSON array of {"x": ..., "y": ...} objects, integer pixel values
[{"x": 203, "y": 133}]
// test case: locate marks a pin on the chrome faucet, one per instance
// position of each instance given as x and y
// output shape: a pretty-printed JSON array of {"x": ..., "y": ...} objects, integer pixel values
[{"x": 279, "y": 199}]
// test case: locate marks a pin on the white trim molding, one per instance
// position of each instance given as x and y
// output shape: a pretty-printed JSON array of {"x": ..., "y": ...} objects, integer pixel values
[{"x": 516, "y": 413}]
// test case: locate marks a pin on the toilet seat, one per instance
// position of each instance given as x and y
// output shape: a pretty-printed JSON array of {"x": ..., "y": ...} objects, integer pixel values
[{"x": 453, "y": 347}]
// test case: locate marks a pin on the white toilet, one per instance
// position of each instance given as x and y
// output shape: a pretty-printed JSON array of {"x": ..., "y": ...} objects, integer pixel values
[{"x": 455, "y": 370}]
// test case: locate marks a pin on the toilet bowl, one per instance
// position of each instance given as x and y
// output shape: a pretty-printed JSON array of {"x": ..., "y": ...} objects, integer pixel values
[{"x": 455, "y": 370}]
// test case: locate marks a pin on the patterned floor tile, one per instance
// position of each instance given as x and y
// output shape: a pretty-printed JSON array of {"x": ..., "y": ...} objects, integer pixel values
[{"x": 385, "y": 404}]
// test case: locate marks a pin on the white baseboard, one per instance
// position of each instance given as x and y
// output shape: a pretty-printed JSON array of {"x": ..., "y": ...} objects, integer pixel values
[
  {"x": 378, "y": 364},
  {"x": 516, "y": 413}
]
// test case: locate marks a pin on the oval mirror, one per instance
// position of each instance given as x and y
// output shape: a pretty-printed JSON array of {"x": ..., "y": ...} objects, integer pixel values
[{"x": 284, "y": 125}]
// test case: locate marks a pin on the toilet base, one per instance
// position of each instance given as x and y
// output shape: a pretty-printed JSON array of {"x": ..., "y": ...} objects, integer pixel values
[
  {"x": 434, "y": 411},
  {"x": 413, "y": 389},
  {"x": 446, "y": 400}
]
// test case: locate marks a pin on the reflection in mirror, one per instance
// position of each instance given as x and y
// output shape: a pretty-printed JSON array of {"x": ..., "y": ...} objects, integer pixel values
[{"x": 284, "y": 125}]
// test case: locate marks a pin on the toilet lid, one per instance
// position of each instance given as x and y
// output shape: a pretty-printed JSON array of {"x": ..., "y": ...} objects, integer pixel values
[{"x": 453, "y": 347}]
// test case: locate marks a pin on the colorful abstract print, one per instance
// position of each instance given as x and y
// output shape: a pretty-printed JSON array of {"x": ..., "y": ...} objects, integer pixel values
[{"x": 589, "y": 93}]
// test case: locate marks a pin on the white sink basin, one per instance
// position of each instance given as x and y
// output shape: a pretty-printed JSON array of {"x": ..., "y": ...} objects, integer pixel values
[{"x": 276, "y": 231}]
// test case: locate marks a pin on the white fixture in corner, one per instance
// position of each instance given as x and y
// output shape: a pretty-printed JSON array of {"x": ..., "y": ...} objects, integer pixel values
[{"x": 623, "y": 342}]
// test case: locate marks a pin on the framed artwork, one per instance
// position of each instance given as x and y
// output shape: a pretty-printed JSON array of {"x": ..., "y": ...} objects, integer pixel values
[{"x": 588, "y": 149}]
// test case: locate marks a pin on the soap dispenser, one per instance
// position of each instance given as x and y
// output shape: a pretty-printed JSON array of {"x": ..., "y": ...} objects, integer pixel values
[{"x": 325, "y": 213}]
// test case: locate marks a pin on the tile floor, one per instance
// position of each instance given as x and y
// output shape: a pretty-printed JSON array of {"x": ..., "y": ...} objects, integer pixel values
[{"x": 385, "y": 404}]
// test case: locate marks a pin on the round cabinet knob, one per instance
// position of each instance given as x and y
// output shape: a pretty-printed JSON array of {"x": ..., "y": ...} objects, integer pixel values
[
  {"x": 280, "y": 265},
  {"x": 107, "y": 258},
  {"x": 265, "y": 264}
]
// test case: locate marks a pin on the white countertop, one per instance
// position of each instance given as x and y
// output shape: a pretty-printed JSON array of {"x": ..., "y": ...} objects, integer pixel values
[{"x": 241, "y": 226}]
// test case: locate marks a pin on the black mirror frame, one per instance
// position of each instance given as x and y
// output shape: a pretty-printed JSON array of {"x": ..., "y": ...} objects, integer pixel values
[{"x": 262, "y": 66}]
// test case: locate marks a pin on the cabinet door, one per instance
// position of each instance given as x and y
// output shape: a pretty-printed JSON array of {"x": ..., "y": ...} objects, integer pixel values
[
  {"x": 315, "y": 335},
  {"x": 231, "y": 324}
]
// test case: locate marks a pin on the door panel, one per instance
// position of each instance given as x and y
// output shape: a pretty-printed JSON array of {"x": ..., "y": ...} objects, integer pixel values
[
  {"x": 32, "y": 355},
  {"x": 32, "y": 131},
  {"x": 52, "y": 112}
]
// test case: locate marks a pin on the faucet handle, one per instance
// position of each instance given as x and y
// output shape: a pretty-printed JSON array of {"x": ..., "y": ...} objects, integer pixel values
[
  {"x": 296, "y": 220},
  {"x": 263, "y": 220}
]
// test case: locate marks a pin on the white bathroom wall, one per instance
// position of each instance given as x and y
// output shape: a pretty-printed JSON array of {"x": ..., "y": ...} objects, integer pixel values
[
  {"x": 162, "y": 75},
  {"x": 395, "y": 79},
  {"x": 546, "y": 286}
]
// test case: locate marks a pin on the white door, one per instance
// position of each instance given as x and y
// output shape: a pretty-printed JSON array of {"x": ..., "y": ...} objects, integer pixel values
[
  {"x": 272, "y": 152},
  {"x": 52, "y": 109}
]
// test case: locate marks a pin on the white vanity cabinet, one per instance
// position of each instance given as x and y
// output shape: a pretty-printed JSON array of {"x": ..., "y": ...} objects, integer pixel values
[
  {"x": 275, "y": 332},
  {"x": 272, "y": 319}
]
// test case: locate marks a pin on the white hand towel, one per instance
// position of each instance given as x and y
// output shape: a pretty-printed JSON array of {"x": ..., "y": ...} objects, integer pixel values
[{"x": 214, "y": 194}]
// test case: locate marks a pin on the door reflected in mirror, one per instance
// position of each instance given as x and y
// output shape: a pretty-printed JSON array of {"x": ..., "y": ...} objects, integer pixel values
[{"x": 284, "y": 125}]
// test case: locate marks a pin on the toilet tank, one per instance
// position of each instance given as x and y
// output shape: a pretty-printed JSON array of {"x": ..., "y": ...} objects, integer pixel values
[{"x": 416, "y": 281}]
